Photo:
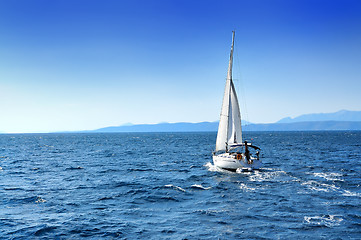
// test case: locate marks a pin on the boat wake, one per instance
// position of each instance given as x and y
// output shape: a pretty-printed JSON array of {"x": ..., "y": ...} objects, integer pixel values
[
  {"x": 329, "y": 176},
  {"x": 270, "y": 175},
  {"x": 320, "y": 187},
  {"x": 213, "y": 168}
]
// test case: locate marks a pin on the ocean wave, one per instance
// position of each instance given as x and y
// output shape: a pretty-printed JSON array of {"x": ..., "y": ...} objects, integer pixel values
[
  {"x": 26, "y": 200},
  {"x": 324, "y": 187},
  {"x": 155, "y": 199},
  {"x": 136, "y": 192},
  {"x": 125, "y": 184},
  {"x": 44, "y": 230},
  {"x": 74, "y": 168},
  {"x": 210, "y": 212},
  {"x": 348, "y": 193},
  {"x": 140, "y": 169},
  {"x": 105, "y": 198},
  {"x": 324, "y": 220},
  {"x": 12, "y": 188},
  {"x": 179, "y": 170},
  {"x": 246, "y": 188},
  {"x": 175, "y": 187},
  {"x": 200, "y": 187}
]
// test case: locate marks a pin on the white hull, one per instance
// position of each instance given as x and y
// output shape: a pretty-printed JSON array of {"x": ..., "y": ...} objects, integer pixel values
[
  {"x": 226, "y": 161},
  {"x": 230, "y": 162}
]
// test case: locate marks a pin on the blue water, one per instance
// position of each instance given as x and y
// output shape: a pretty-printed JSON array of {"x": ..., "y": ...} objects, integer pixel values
[{"x": 164, "y": 186}]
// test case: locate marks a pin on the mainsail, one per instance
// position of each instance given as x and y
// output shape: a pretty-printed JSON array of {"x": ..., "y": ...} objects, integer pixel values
[{"x": 229, "y": 128}]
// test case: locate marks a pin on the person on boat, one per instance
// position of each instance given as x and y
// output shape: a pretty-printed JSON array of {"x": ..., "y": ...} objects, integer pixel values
[{"x": 246, "y": 151}]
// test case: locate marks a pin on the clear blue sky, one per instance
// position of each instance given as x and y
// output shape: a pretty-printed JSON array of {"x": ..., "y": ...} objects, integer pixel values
[{"x": 77, "y": 65}]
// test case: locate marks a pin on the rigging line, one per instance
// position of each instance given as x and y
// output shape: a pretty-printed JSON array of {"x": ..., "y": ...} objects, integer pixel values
[{"x": 240, "y": 90}]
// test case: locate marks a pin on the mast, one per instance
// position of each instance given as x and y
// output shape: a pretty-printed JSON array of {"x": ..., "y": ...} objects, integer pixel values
[
  {"x": 229, "y": 73},
  {"x": 223, "y": 127},
  {"x": 230, "y": 82}
]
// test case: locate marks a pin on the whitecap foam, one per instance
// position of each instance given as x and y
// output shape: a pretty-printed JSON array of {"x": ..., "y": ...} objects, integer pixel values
[
  {"x": 246, "y": 188},
  {"x": 267, "y": 176},
  {"x": 324, "y": 187},
  {"x": 326, "y": 220},
  {"x": 200, "y": 187},
  {"x": 175, "y": 187},
  {"x": 320, "y": 187},
  {"x": 329, "y": 176},
  {"x": 210, "y": 211},
  {"x": 348, "y": 193}
]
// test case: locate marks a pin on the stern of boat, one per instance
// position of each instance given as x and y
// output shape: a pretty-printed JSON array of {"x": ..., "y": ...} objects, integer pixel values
[
  {"x": 252, "y": 164},
  {"x": 227, "y": 161}
]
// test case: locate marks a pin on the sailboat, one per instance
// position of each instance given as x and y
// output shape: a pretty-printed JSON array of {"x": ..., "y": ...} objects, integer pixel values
[{"x": 231, "y": 152}]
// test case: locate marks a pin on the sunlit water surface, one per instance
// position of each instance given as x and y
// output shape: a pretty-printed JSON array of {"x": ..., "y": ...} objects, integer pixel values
[{"x": 164, "y": 186}]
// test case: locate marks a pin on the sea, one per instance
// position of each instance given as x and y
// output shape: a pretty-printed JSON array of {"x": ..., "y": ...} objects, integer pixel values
[{"x": 165, "y": 186}]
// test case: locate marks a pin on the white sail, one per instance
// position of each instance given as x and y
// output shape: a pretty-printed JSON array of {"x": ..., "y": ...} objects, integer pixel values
[
  {"x": 229, "y": 129},
  {"x": 234, "y": 120}
]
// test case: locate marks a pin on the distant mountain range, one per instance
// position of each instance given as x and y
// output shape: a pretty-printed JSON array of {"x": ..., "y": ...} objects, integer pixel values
[
  {"x": 306, "y": 126},
  {"x": 166, "y": 127},
  {"x": 341, "y": 120},
  {"x": 342, "y": 115},
  {"x": 163, "y": 127}
]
